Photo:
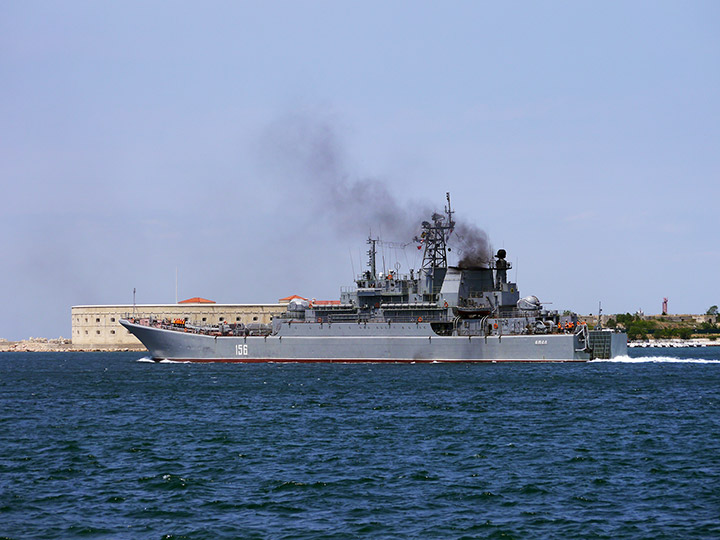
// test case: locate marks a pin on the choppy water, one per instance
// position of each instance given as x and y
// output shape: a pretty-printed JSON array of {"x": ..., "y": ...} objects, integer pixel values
[{"x": 101, "y": 445}]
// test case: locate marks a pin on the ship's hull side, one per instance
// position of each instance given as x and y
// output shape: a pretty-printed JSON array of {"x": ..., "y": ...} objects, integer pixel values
[{"x": 330, "y": 347}]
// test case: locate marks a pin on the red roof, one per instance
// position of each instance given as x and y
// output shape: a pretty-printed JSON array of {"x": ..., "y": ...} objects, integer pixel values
[{"x": 197, "y": 300}]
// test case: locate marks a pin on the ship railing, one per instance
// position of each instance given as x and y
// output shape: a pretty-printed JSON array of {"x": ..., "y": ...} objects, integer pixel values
[
  {"x": 332, "y": 307},
  {"x": 515, "y": 313},
  {"x": 222, "y": 329},
  {"x": 410, "y": 305},
  {"x": 392, "y": 320},
  {"x": 293, "y": 316},
  {"x": 142, "y": 319}
]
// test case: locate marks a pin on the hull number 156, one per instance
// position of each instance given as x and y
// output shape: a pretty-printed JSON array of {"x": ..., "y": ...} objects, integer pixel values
[{"x": 241, "y": 349}]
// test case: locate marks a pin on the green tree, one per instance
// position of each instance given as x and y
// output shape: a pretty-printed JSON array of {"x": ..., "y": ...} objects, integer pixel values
[
  {"x": 625, "y": 320},
  {"x": 707, "y": 326},
  {"x": 635, "y": 332},
  {"x": 712, "y": 310},
  {"x": 638, "y": 329},
  {"x": 685, "y": 332}
]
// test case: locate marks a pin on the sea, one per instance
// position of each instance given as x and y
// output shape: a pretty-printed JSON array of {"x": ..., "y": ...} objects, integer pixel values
[{"x": 115, "y": 446}]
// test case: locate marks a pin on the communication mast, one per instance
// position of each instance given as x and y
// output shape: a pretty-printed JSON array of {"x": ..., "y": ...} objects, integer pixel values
[
  {"x": 435, "y": 236},
  {"x": 371, "y": 257}
]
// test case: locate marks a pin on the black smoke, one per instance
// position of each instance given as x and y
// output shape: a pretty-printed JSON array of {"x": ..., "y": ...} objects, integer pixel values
[
  {"x": 309, "y": 153},
  {"x": 473, "y": 244}
]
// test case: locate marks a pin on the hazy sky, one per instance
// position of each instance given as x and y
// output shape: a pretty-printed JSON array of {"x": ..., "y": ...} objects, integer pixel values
[{"x": 249, "y": 145}]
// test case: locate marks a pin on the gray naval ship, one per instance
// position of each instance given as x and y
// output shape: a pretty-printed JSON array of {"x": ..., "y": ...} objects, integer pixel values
[{"x": 441, "y": 313}]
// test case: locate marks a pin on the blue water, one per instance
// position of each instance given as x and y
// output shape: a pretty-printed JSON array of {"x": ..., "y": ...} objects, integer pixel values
[{"x": 99, "y": 445}]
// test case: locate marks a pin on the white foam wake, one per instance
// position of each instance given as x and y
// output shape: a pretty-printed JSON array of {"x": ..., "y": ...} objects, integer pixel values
[
  {"x": 658, "y": 360},
  {"x": 163, "y": 361}
]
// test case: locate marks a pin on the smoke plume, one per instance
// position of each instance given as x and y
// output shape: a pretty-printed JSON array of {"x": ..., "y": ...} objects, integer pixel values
[
  {"x": 309, "y": 155},
  {"x": 310, "y": 152},
  {"x": 473, "y": 244}
]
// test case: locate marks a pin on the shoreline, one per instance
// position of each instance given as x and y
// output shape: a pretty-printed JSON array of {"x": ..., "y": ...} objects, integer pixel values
[
  {"x": 61, "y": 345},
  {"x": 657, "y": 343}
]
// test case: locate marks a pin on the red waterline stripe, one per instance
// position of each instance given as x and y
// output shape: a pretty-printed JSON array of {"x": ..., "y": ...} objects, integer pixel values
[{"x": 350, "y": 361}]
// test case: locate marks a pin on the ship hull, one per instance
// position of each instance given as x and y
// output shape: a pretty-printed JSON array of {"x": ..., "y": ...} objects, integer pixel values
[{"x": 347, "y": 344}]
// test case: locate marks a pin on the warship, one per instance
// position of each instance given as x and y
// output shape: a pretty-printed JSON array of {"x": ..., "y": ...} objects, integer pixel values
[{"x": 469, "y": 312}]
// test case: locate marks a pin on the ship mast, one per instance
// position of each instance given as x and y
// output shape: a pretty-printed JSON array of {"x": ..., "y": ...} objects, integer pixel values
[
  {"x": 435, "y": 236},
  {"x": 371, "y": 257}
]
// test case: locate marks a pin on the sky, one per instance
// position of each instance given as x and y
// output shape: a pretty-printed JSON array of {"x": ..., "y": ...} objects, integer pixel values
[{"x": 250, "y": 148}]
